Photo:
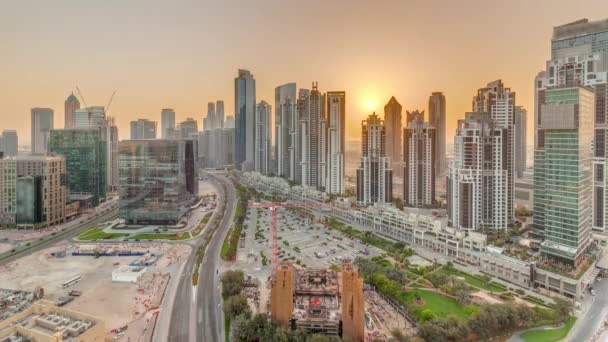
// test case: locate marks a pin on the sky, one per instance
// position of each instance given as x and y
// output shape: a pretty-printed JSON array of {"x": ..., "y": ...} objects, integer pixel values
[{"x": 182, "y": 54}]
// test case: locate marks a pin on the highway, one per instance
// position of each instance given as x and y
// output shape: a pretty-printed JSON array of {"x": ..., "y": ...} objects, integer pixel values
[
  {"x": 197, "y": 313},
  {"x": 106, "y": 212}
]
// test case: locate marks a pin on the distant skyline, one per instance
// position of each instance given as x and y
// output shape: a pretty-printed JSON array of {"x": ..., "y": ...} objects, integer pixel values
[{"x": 184, "y": 54}]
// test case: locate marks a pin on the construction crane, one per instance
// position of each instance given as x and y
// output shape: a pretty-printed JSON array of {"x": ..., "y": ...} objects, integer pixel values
[
  {"x": 107, "y": 108},
  {"x": 81, "y": 97}
]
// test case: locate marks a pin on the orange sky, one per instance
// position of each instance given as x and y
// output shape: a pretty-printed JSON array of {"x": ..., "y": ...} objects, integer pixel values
[{"x": 182, "y": 54}]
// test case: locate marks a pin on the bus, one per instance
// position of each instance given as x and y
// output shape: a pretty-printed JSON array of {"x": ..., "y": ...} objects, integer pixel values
[{"x": 71, "y": 281}]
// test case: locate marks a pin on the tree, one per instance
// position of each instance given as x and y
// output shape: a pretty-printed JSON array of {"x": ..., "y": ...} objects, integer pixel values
[
  {"x": 426, "y": 315},
  {"x": 432, "y": 332},
  {"x": 398, "y": 336},
  {"x": 396, "y": 275},
  {"x": 232, "y": 283},
  {"x": 236, "y": 305},
  {"x": 563, "y": 308},
  {"x": 461, "y": 292}
]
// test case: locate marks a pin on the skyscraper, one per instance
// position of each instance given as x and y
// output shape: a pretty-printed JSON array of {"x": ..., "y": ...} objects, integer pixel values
[
  {"x": 219, "y": 114},
  {"x": 563, "y": 160},
  {"x": 284, "y": 113},
  {"x": 42, "y": 124},
  {"x": 143, "y": 129},
  {"x": 336, "y": 123},
  {"x": 437, "y": 120},
  {"x": 8, "y": 192},
  {"x": 70, "y": 106},
  {"x": 167, "y": 122},
  {"x": 209, "y": 120},
  {"x": 477, "y": 178},
  {"x": 419, "y": 140},
  {"x": 312, "y": 118},
  {"x": 188, "y": 129},
  {"x": 374, "y": 175},
  {"x": 89, "y": 117},
  {"x": 244, "y": 107},
  {"x": 297, "y": 131},
  {"x": 392, "y": 121},
  {"x": 262, "y": 138},
  {"x": 520, "y": 140},
  {"x": 10, "y": 143}
]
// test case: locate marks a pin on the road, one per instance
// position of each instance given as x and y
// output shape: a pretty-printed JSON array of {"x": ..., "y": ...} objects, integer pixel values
[
  {"x": 107, "y": 212},
  {"x": 590, "y": 321},
  {"x": 197, "y": 313}
]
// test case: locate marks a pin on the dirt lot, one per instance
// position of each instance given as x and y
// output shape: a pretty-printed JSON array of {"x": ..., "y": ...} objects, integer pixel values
[{"x": 116, "y": 302}]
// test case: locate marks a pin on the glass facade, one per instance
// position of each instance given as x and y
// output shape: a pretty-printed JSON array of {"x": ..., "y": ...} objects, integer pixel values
[
  {"x": 158, "y": 180},
  {"x": 29, "y": 200},
  {"x": 85, "y": 153}
]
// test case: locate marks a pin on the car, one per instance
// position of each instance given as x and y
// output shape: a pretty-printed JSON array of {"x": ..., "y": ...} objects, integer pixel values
[{"x": 592, "y": 292}]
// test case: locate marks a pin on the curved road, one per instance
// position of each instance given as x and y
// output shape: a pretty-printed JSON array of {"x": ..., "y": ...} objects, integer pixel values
[{"x": 197, "y": 313}]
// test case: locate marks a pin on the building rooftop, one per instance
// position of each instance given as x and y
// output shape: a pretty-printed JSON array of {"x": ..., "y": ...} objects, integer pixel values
[{"x": 579, "y": 28}]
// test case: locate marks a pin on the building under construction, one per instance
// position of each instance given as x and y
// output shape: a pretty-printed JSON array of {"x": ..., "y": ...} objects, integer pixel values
[{"x": 319, "y": 301}]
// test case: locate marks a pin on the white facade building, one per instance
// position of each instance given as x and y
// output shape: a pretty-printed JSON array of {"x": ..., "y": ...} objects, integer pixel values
[
  {"x": 262, "y": 138},
  {"x": 419, "y": 141},
  {"x": 374, "y": 175},
  {"x": 167, "y": 122},
  {"x": 336, "y": 116}
]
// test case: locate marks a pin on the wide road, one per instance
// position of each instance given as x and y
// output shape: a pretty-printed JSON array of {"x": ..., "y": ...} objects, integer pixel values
[
  {"x": 590, "y": 321},
  {"x": 106, "y": 212},
  {"x": 197, "y": 313}
]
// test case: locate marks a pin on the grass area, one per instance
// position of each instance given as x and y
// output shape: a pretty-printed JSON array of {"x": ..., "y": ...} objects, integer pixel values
[
  {"x": 549, "y": 335},
  {"x": 202, "y": 224},
  {"x": 440, "y": 305},
  {"x": 474, "y": 280},
  {"x": 153, "y": 236},
  {"x": 206, "y": 218},
  {"x": 97, "y": 233},
  {"x": 230, "y": 244},
  {"x": 227, "y": 329}
]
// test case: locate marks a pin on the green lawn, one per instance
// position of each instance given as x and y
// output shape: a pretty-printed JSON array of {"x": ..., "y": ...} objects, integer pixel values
[
  {"x": 440, "y": 305},
  {"x": 153, "y": 236},
  {"x": 473, "y": 280},
  {"x": 549, "y": 335},
  {"x": 97, "y": 233}
]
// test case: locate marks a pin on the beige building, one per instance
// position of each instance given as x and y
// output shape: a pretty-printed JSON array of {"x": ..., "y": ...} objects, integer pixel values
[
  {"x": 8, "y": 186},
  {"x": 45, "y": 322}
]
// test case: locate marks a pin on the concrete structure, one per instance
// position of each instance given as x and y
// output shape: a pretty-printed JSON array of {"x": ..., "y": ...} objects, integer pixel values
[
  {"x": 143, "y": 129},
  {"x": 374, "y": 175},
  {"x": 262, "y": 141},
  {"x": 209, "y": 120},
  {"x": 9, "y": 143},
  {"x": 319, "y": 301},
  {"x": 167, "y": 122},
  {"x": 284, "y": 114},
  {"x": 70, "y": 106},
  {"x": 8, "y": 192},
  {"x": 89, "y": 117},
  {"x": 313, "y": 138},
  {"x": 419, "y": 140},
  {"x": 336, "y": 128},
  {"x": 187, "y": 129},
  {"x": 219, "y": 114},
  {"x": 85, "y": 153},
  {"x": 229, "y": 123},
  {"x": 128, "y": 274},
  {"x": 216, "y": 147},
  {"x": 437, "y": 110},
  {"x": 520, "y": 141},
  {"x": 562, "y": 168},
  {"x": 158, "y": 180},
  {"x": 41, "y": 124},
  {"x": 524, "y": 190},
  {"x": 45, "y": 322},
  {"x": 244, "y": 107},
  {"x": 298, "y": 140},
  {"x": 392, "y": 121}
]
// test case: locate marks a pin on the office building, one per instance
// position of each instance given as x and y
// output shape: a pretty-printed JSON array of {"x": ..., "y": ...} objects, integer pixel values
[
  {"x": 209, "y": 120},
  {"x": 477, "y": 179},
  {"x": 8, "y": 192},
  {"x": 216, "y": 147},
  {"x": 41, "y": 191},
  {"x": 167, "y": 122},
  {"x": 563, "y": 158},
  {"x": 143, "y": 129},
  {"x": 313, "y": 129},
  {"x": 219, "y": 114},
  {"x": 41, "y": 125},
  {"x": 319, "y": 301},
  {"x": 520, "y": 141},
  {"x": 89, "y": 117},
  {"x": 419, "y": 140},
  {"x": 70, "y": 106},
  {"x": 284, "y": 114},
  {"x": 229, "y": 123},
  {"x": 188, "y": 129},
  {"x": 85, "y": 153},
  {"x": 9, "y": 143},
  {"x": 158, "y": 180},
  {"x": 336, "y": 128},
  {"x": 244, "y": 107},
  {"x": 437, "y": 109},
  {"x": 296, "y": 131},
  {"x": 392, "y": 121},
  {"x": 374, "y": 175},
  {"x": 263, "y": 114}
]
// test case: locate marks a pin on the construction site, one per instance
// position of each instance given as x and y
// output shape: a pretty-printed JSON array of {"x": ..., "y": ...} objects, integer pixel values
[{"x": 122, "y": 284}]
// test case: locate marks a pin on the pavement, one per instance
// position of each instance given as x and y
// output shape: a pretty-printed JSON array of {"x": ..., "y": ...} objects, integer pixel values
[
  {"x": 595, "y": 311},
  {"x": 197, "y": 313}
]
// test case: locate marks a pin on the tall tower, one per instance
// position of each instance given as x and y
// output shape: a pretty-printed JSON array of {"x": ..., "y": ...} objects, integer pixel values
[
  {"x": 262, "y": 138},
  {"x": 520, "y": 140},
  {"x": 374, "y": 175},
  {"x": 297, "y": 131},
  {"x": 313, "y": 139},
  {"x": 353, "y": 304},
  {"x": 336, "y": 122},
  {"x": 41, "y": 124},
  {"x": 281, "y": 295},
  {"x": 71, "y": 105},
  {"x": 284, "y": 112},
  {"x": 167, "y": 122},
  {"x": 209, "y": 121},
  {"x": 392, "y": 121},
  {"x": 219, "y": 113},
  {"x": 244, "y": 107},
  {"x": 419, "y": 140},
  {"x": 437, "y": 120}
]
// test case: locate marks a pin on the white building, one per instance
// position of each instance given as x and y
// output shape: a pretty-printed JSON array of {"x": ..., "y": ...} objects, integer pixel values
[
  {"x": 285, "y": 112},
  {"x": 520, "y": 140},
  {"x": 262, "y": 138},
  {"x": 167, "y": 122},
  {"x": 336, "y": 116},
  {"x": 374, "y": 175},
  {"x": 313, "y": 128},
  {"x": 419, "y": 141}
]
